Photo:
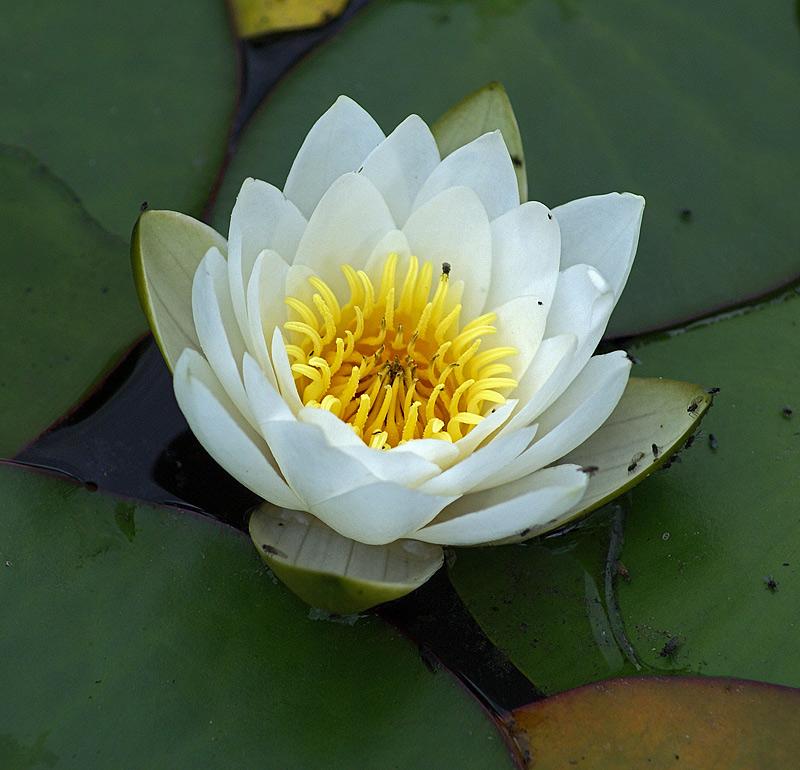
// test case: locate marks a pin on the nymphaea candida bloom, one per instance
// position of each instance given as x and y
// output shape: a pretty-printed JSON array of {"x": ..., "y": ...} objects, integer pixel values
[{"x": 394, "y": 346}]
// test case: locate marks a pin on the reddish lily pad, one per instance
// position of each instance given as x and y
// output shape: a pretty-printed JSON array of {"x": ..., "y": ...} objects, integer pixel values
[{"x": 660, "y": 722}]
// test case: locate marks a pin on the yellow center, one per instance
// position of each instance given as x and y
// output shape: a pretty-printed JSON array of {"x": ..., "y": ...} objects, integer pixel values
[{"x": 394, "y": 364}]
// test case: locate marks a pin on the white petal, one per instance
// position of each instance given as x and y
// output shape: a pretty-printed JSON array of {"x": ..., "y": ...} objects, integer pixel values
[
  {"x": 602, "y": 231},
  {"x": 261, "y": 219},
  {"x": 379, "y": 513},
  {"x": 219, "y": 427},
  {"x": 520, "y": 324},
  {"x": 480, "y": 465},
  {"x": 543, "y": 380},
  {"x": 265, "y": 306},
  {"x": 394, "y": 242},
  {"x": 217, "y": 328},
  {"x": 337, "y": 143},
  {"x": 265, "y": 399},
  {"x": 401, "y": 163},
  {"x": 582, "y": 305},
  {"x": 343, "y": 492},
  {"x": 405, "y": 468},
  {"x": 573, "y": 417},
  {"x": 494, "y": 420},
  {"x": 283, "y": 372},
  {"x": 453, "y": 227},
  {"x": 484, "y": 166},
  {"x": 345, "y": 227},
  {"x": 533, "y": 503},
  {"x": 526, "y": 249}
]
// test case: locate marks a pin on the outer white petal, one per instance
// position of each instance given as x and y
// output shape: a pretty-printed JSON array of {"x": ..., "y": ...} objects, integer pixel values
[
  {"x": 345, "y": 227},
  {"x": 261, "y": 219},
  {"x": 526, "y": 249},
  {"x": 337, "y": 143},
  {"x": 453, "y": 227},
  {"x": 482, "y": 464},
  {"x": 543, "y": 380},
  {"x": 219, "y": 427},
  {"x": 265, "y": 305},
  {"x": 602, "y": 231},
  {"x": 406, "y": 468},
  {"x": 379, "y": 513},
  {"x": 520, "y": 324},
  {"x": 486, "y": 427},
  {"x": 533, "y": 503},
  {"x": 283, "y": 372},
  {"x": 484, "y": 166},
  {"x": 575, "y": 416},
  {"x": 401, "y": 163},
  {"x": 582, "y": 305},
  {"x": 217, "y": 328}
]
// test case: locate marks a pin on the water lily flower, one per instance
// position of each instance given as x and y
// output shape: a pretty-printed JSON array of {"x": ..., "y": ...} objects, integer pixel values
[{"x": 394, "y": 345}]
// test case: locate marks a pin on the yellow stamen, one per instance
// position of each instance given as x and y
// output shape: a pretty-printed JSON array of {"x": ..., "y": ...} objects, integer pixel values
[{"x": 394, "y": 364}]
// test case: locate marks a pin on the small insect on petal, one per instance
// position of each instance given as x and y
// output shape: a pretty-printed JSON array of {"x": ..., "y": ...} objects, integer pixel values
[
  {"x": 635, "y": 461},
  {"x": 690, "y": 441},
  {"x": 692, "y": 408},
  {"x": 272, "y": 551},
  {"x": 632, "y": 359},
  {"x": 446, "y": 268},
  {"x": 656, "y": 451},
  {"x": 711, "y": 391},
  {"x": 590, "y": 470}
]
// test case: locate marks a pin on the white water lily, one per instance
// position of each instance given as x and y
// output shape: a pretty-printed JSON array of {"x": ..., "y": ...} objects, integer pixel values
[{"x": 395, "y": 344}]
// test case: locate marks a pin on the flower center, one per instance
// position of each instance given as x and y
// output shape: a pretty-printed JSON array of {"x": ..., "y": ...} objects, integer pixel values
[{"x": 393, "y": 364}]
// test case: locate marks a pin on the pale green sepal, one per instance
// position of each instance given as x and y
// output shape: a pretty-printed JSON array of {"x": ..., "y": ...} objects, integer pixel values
[
  {"x": 166, "y": 248},
  {"x": 620, "y": 454},
  {"x": 332, "y": 572},
  {"x": 487, "y": 109}
]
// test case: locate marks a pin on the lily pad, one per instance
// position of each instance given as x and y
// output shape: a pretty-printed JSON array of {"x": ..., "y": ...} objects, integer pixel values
[
  {"x": 67, "y": 304},
  {"x": 106, "y": 96},
  {"x": 168, "y": 645},
  {"x": 708, "y": 539},
  {"x": 695, "y": 724},
  {"x": 677, "y": 576},
  {"x": 692, "y": 105}
]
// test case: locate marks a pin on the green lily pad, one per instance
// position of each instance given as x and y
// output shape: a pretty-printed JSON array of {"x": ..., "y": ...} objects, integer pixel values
[
  {"x": 138, "y": 636},
  {"x": 687, "y": 584},
  {"x": 695, "y": 724},
  {"x": 332, "y": 572},
  {"x": 107, "y": 96},
  {"x": 692, "y": 105},
  {"x": 67, "y": 303},
  {"x": 718, "y": 529}
]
